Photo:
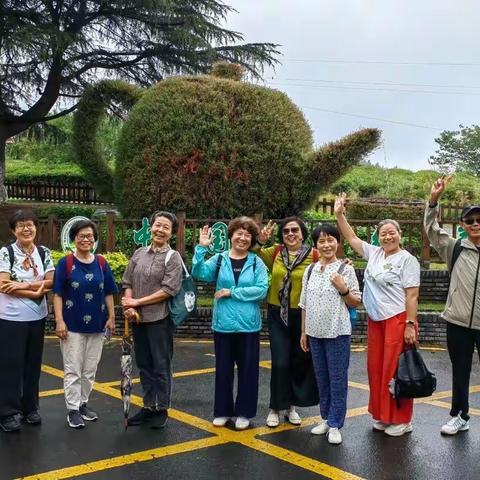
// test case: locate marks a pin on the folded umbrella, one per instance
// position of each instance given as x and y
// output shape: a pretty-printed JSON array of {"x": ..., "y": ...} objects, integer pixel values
[{"x": 126, "y": 371}]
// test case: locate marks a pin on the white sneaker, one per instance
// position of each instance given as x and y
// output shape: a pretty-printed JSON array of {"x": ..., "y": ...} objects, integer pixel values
[
  {"x": 320, "y": 429},
  {"x": 455, "y": 425},
  {"x": 242, "y": 423},
  {"x": 293, "y": 417},
  {"x": 334, "y": 436},
  {"x": 399, "y": 429},
  {"x": 273, "y": 419},
  {"x": 220, "y": 421},
  {"x": 380, "y": 426}
]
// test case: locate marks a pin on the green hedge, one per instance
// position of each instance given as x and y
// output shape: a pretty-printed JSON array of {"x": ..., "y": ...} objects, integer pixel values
[{"x": 118, "y": 262}]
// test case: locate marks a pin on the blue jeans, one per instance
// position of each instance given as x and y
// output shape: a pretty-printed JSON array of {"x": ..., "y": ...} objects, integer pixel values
[{"x": 331, "y": 357}]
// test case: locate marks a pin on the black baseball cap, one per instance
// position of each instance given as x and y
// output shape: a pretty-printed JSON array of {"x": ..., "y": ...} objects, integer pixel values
[{"x": 468, "y": 210}]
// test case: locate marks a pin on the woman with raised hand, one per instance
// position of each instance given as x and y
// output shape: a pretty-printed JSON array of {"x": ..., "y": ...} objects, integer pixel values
[
  {"x": 329, "y": 287},
  {"x": 83, "y": 306},
  {"x": 390, "y": 297},
  {"x": 292, "y": 381},
  {"x": 241, "y": 283},
  {"x": 26, "y": 273},
  {"x": 149, "y": 281}
]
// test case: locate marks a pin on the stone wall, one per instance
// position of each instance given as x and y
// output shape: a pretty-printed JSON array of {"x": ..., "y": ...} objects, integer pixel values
[{"x": 432, "y": 327}]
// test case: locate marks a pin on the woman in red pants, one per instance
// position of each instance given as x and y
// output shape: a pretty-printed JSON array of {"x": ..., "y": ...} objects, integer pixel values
[{"x": 391, "y": 286}]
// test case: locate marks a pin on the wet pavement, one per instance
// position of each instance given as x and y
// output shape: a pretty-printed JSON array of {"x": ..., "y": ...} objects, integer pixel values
[{"x": 190, "y": 447}]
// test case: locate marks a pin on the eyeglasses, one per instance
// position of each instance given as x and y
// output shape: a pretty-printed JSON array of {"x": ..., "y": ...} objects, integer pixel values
[
  {"x": 286, "y": 231},
  {"x": 471, "y": 221},
  {"x": 90, "y": 238},
  {"x": 25, "y": 226}
]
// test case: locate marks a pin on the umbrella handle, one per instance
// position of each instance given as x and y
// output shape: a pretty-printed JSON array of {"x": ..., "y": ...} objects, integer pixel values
[{"x": 127, "y": 327}]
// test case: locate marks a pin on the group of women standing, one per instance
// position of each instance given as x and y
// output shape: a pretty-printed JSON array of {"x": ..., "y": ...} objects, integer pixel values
[{"x": 308, "y": 303}]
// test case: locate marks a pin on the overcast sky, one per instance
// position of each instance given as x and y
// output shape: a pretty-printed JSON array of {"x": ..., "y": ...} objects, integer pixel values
[{"x": 418, "y": 45}]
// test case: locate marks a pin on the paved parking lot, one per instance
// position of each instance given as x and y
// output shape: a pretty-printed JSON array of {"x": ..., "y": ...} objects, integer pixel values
[{"x": 190, "y": 447}]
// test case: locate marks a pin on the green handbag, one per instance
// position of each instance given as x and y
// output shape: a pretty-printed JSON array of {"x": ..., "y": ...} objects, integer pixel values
[{"x": 184, "y": 303}]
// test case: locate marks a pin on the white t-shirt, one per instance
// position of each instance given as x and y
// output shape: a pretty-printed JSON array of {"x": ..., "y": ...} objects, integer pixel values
[
  {"x": 386, "y": 279},
  {"x": 19, "y": 309},
  {"x": 326, "y": 314}
]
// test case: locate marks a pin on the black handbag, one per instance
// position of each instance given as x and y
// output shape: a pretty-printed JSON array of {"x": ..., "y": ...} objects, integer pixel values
[{"x": 413, "y": 379}]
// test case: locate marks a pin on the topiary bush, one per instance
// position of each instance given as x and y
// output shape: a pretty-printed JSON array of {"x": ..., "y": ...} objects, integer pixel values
[{"x": 213, "y": 146}]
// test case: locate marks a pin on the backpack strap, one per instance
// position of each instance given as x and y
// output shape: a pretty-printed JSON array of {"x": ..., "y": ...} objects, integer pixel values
[
  {"x": 102, "y": 262},
  {"x": 168, "y": 256},
  {"x": 43, "y": 253},
  {"x": 315, "y": 255},
  {"x": 309, "y": 271},
  {"x": 219, "y": 264},
  {"x": 69, "y": 265},
  {"x": 277, "y": 250},
  {"x": 254, "y": 264},
  {"x": 456, "y": 253},
  {"x": 11, "y": 256}
]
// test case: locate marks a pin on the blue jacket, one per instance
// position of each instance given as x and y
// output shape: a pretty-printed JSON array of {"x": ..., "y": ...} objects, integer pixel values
[{"x": 240, "y": 312}]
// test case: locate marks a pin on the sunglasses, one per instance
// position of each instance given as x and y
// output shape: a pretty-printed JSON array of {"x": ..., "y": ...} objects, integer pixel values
[
  {"x": 286, "y": 231},
  {"x": 471, "y": 221}
]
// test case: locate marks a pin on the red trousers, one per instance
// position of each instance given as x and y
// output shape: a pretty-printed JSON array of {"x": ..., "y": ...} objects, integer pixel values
[{"x": 385, "y": 344}]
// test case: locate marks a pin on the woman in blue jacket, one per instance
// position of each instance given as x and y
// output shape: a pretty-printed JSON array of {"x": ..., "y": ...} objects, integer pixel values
[{"x": 241, "y": 282}]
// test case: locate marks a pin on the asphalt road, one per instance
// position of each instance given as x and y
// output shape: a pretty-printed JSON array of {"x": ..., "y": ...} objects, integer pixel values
[{"x": 189, "y": 447}]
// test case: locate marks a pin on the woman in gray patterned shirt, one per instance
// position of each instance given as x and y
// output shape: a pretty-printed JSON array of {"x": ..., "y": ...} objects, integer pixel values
[{"x": 149, "y": 281}]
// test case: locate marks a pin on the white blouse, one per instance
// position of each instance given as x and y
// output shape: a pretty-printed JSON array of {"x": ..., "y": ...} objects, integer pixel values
[{"x": 326, "y": 314}]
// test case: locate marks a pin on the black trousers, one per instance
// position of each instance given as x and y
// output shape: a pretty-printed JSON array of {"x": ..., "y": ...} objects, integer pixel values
[
  {"x": 21, "y": 349},
  {"x": 461, "y": 343},
  {"x": 153, "y": 344},
  {"x": 241, "y": 349},
  {"x": 292, "y": 380}
]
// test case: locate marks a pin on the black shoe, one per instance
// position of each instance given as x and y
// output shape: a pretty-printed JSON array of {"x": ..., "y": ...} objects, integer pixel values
[
  {"x": 160, "y": 419},
  {"x": 33, "y": 418},
  {"x": 143, "y": 416},
  {"x": 74, "y": 419},
  {"x": 87, "y": 413},
  {"x": 11, "y": 424}
]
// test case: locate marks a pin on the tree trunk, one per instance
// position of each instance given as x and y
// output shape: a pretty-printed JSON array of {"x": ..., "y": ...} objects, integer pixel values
[{"x": 3, "y": 189}]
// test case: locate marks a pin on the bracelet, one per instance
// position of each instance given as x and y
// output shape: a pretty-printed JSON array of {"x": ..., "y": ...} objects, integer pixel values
[
  {"x": 345, "y": 294},
  {"x": 410, "y": 322}
]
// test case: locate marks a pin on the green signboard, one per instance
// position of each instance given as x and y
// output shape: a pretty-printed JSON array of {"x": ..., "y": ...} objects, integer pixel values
[
  {"x": 143, "y": 236},
  {"x": 220, "y": 241}
]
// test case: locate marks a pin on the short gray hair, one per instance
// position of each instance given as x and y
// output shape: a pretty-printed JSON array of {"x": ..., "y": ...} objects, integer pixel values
[{"x": 389, "y": 221}]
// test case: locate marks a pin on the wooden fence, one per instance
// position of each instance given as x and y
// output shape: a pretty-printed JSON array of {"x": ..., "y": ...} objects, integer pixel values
[
  {"x": 447, "y": 211},
  {"x": 117, "y": 234},
  {"x": 74, "y": 191}
]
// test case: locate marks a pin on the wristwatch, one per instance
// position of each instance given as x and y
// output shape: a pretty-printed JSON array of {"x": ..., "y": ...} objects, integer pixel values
[{"x": 410, "y": 322}]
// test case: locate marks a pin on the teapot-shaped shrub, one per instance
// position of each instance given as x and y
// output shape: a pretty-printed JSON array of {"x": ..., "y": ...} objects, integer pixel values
[{"x": 210, "y": 146}]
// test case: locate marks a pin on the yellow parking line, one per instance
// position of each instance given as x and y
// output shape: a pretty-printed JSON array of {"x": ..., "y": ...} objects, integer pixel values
[
  {"x": 122, "y": 460},
  {"x": 52, "y": 371},
  {"x": 439, "y": 403},
  {"x": 247, "y": 438},
  {"x": 51, "y": 393},
  {"x": 186, "y": 373},
  {"x": 361, "y": 386},
  {"x": 357, "y": 412},
  {"x": 194, "y": 372},
  {"x": 299, "y": 460}
]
